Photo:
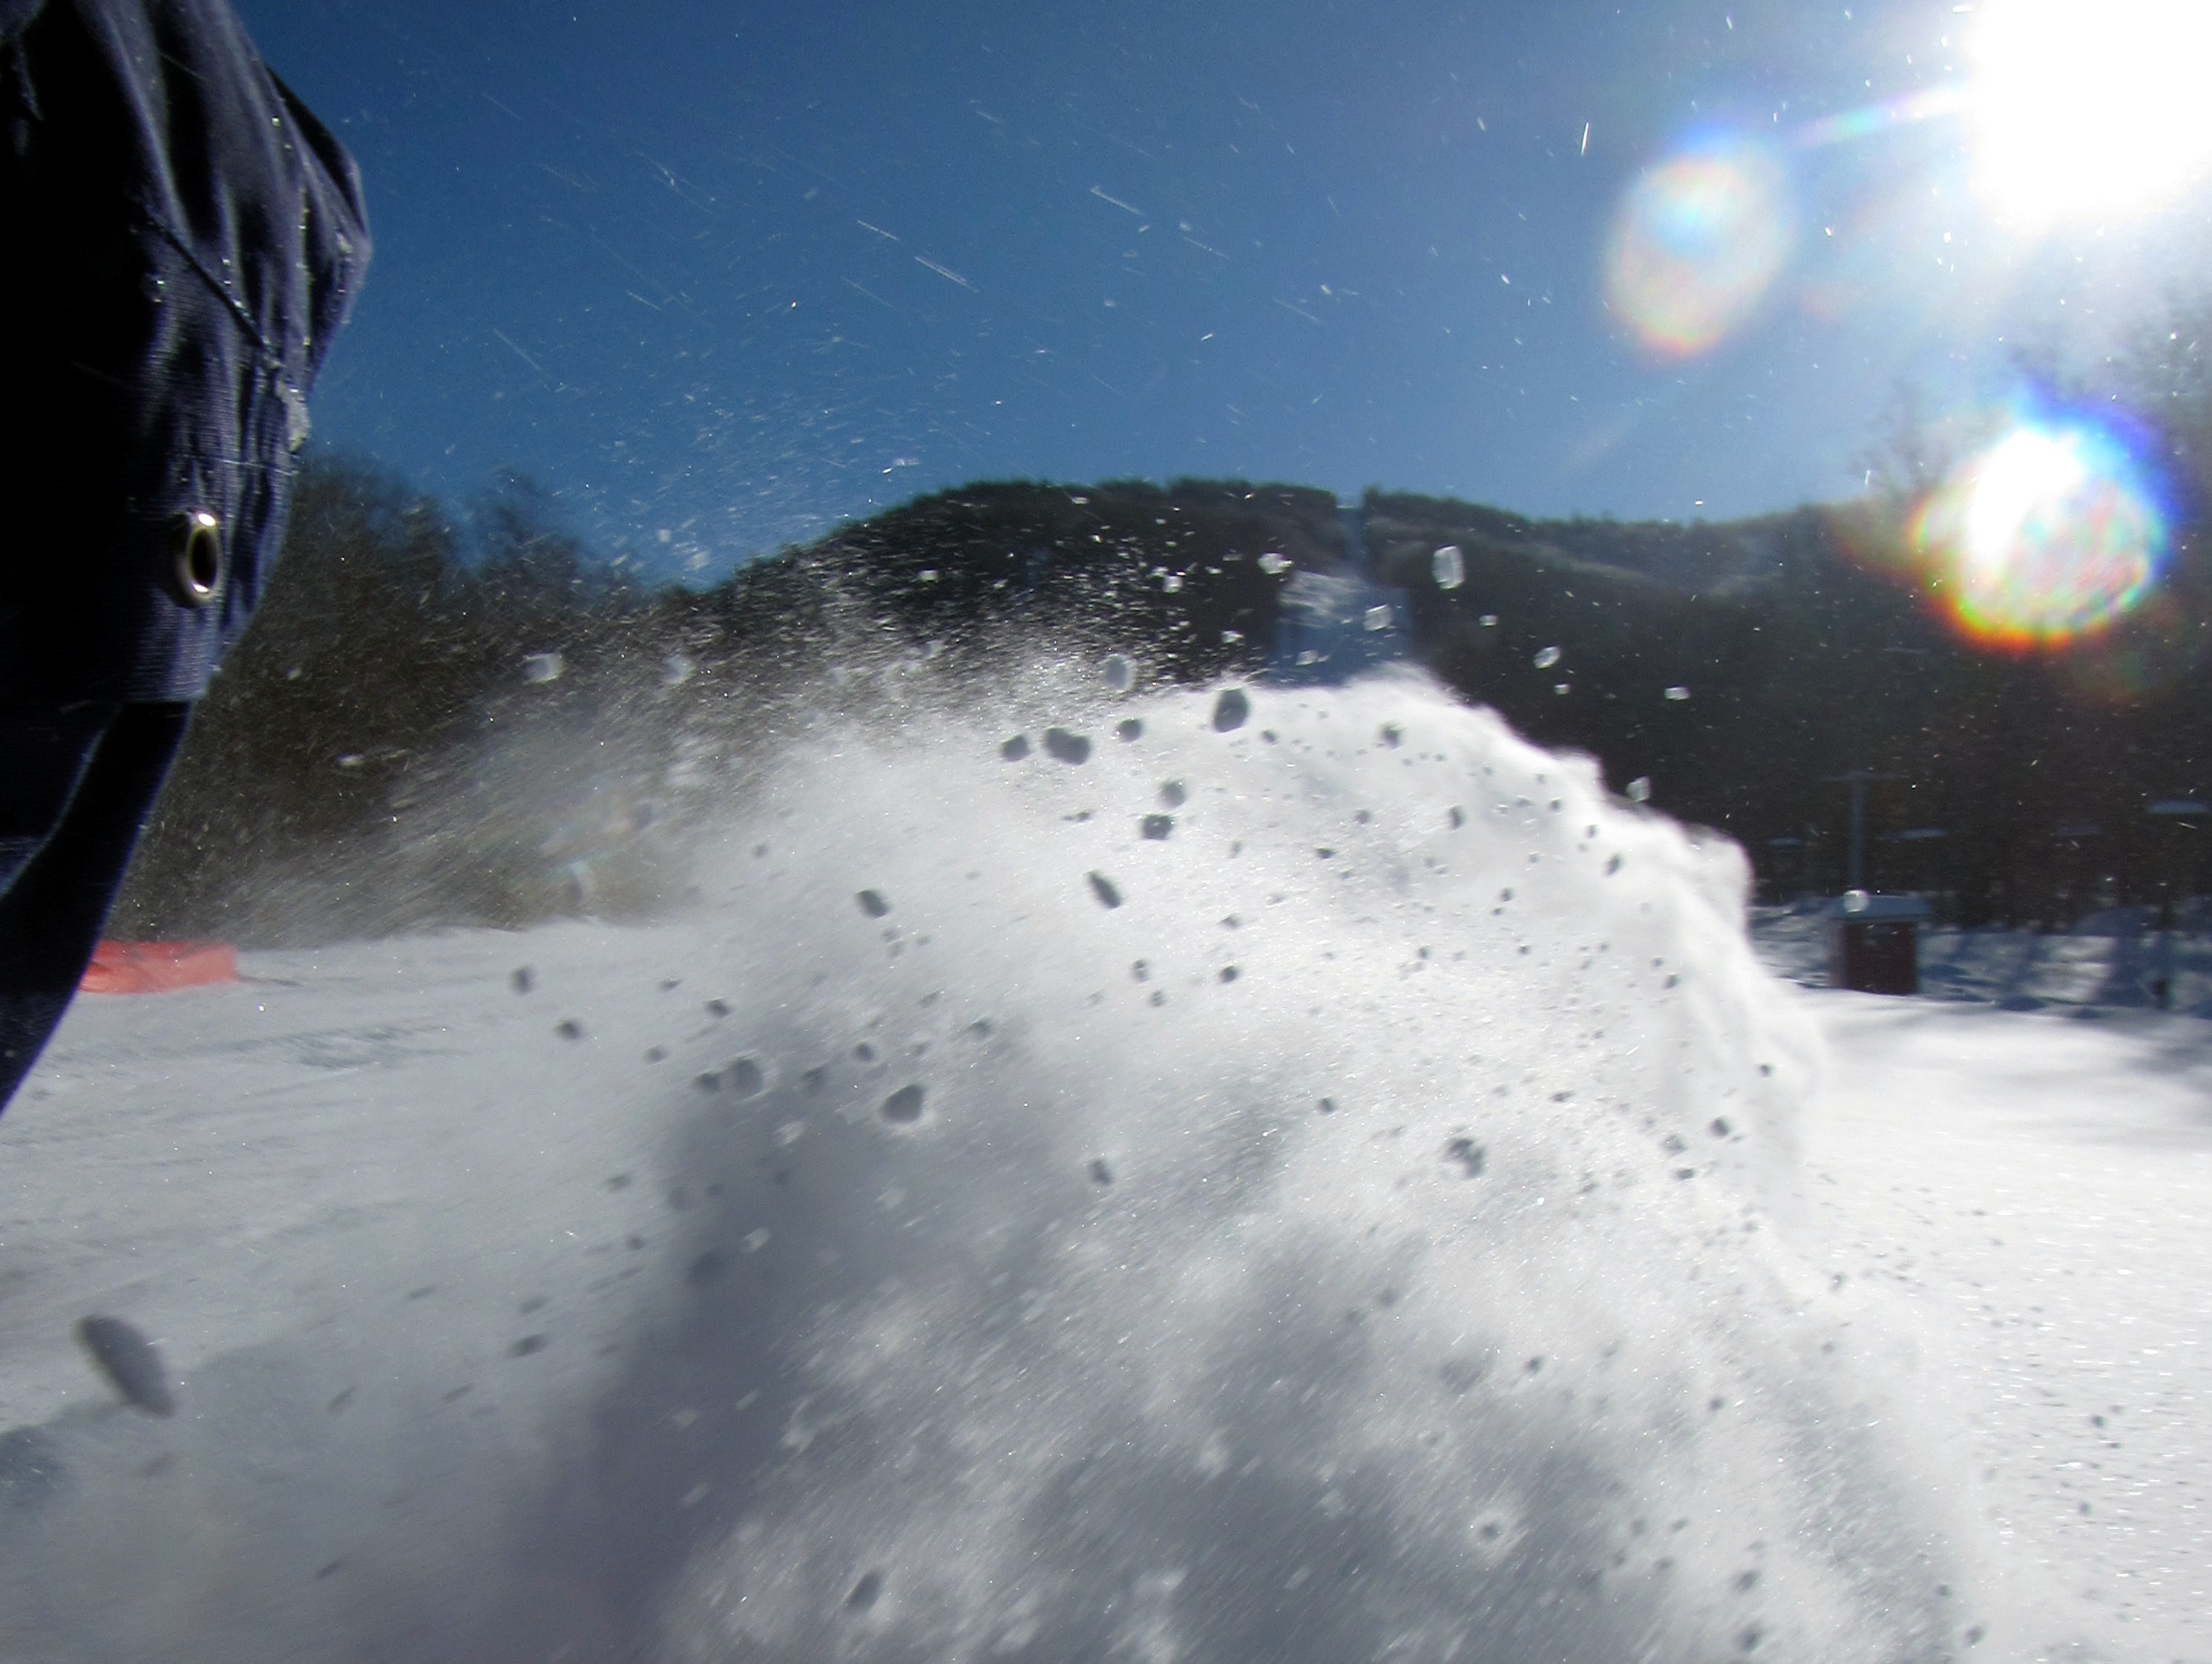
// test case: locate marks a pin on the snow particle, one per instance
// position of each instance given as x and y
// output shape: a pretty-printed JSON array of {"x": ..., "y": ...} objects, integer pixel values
[
  {"x": 1678, "y": 694},
  {"x": 1546, "y": 657},
  {"x": 1157, "y": 826},
  {"x": 569, "y": 1029},
  {"x": 1102, "y": 887},
  {"x": 522, "y": 980},
  {"x": 1468, "y": 1154},
  {"x": 866, "y": 1593},
  {"x": 1273, "y": 565},
  {"x": 1066, "y": 747},
  {"x": 904, "y": 1106},
  {"x": 873, "y": 903},
  {"x": 1121, "y": 675},
  {"x": 1015, "y": 749},
  {"x": 1231, "y": 710},
  {"x": 1172, "y": 794},
  {"x": 706, "y": 1268},
  {"x": 1639, "y": 789},
  {"x": 1448, "y": 567},
  {"x": 527, "y": 1345},
  {"x": 541, "y": 667},
  {"x": 129, "y": 1361},
  {"x": 1377, "y": 618},
  {"x": 1100, "y": 1172},
  {"x": 1129, "y": 728}
]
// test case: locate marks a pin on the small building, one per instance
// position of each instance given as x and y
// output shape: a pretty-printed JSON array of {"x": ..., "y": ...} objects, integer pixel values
[{"x": 1874, "y": 943}]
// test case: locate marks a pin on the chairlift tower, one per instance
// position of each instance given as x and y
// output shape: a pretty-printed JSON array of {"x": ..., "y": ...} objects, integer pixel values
[{"x": 1857, "y": 779}]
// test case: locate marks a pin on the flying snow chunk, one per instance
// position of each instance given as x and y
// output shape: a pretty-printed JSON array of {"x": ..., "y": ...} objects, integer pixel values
[
  {"x": 1639, "y": 789},
  {"x": 1273, "y": 565},
  {"x": 129, "y": 1360},
  {"x": 1678, "y": 694},
  {"x": 1488, "y": 620},
  {"x": 541, "y": 667},
  {"x": 1378, "y": 618},
  {"x": 1231, "y": 710},
  {"x": 1546, "y": 657},
  {"x": 1121, "y": 675},
  {"x": 678, "y": 669},
  {"x": 1448, "y": 567}
]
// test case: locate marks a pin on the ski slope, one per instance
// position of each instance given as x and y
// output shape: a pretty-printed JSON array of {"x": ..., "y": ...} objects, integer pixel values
[{"x": 1363, "y": 1199}]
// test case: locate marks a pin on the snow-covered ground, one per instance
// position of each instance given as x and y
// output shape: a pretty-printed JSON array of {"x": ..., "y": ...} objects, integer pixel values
[
  {"x": 1332, "y": 1186},
  {"x": 2113, "y": 961}
]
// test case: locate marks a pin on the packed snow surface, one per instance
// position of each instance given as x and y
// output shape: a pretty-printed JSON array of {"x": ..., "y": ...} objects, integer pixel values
[{"x": 1294, "y": 1175}]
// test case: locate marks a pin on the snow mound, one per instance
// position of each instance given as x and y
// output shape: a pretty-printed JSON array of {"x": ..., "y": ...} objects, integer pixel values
[
  {"x": 1327, "y": 1226},
  {"x": 1277, "y": 1178}
]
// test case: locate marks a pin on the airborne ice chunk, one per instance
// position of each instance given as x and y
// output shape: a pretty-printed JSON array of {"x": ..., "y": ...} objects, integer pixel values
[
  {"x": 1273, "y": 565},
  {"x": 1378, "y": 618},
  {"x": 1678, "y": 694},
  {"x": 541, "y": 667},
  {"x": 1546, "y": 657},
  {"x": 1448, "y": 566}
]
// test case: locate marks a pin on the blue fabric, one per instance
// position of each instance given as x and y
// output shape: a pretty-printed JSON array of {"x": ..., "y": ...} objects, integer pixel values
[
  {"x": 78, "y": 785},
  {"x": 180, "y": 239}
]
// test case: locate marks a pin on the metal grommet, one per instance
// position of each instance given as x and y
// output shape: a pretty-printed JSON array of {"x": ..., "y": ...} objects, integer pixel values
[{"x": 199, "y": 555}]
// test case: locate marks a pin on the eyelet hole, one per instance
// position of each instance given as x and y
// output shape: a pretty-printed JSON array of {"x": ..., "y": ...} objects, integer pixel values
[{"x": 199, "y": 557}]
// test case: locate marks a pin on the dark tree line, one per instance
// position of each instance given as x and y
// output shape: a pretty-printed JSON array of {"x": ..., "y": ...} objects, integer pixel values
[{"x": 446, "y": 718}]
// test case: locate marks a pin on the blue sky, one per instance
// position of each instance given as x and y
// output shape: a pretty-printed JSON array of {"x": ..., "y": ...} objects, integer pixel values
[{"x": 735, "y": 273}]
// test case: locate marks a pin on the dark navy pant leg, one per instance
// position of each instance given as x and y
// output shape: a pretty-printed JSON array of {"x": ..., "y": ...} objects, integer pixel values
[{"x": 76, "y": 788}]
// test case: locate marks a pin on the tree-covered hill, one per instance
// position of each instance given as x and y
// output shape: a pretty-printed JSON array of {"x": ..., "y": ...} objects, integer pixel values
[{"x": 444, "y": 718}]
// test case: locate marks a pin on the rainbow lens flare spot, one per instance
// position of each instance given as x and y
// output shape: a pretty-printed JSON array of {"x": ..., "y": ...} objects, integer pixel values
[
  {"x": 2047, "y": 537},
  {"x": 1697, "y": 242}
]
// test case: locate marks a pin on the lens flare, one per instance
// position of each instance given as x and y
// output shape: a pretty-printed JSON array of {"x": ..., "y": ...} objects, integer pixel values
[
  {"x": 2090, "y": 106},
  {"x": 1697, "y": 242},
  {"x": 2047, "y": 537}
]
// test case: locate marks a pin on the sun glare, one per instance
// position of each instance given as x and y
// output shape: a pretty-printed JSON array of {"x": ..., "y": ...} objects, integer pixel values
[
  {"x": 2090, "y": 107},
  {"x": 2049, "y": 536}
]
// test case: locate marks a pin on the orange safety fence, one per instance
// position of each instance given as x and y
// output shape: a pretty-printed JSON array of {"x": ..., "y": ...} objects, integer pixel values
[{"x": 155, "y": 967}]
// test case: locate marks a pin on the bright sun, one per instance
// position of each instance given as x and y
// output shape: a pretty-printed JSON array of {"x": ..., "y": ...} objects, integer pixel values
[{"x": 2090, "y": 107}]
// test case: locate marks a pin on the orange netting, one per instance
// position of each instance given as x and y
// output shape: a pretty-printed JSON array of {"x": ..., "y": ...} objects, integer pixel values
[{"x": 155, "y": 967}]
